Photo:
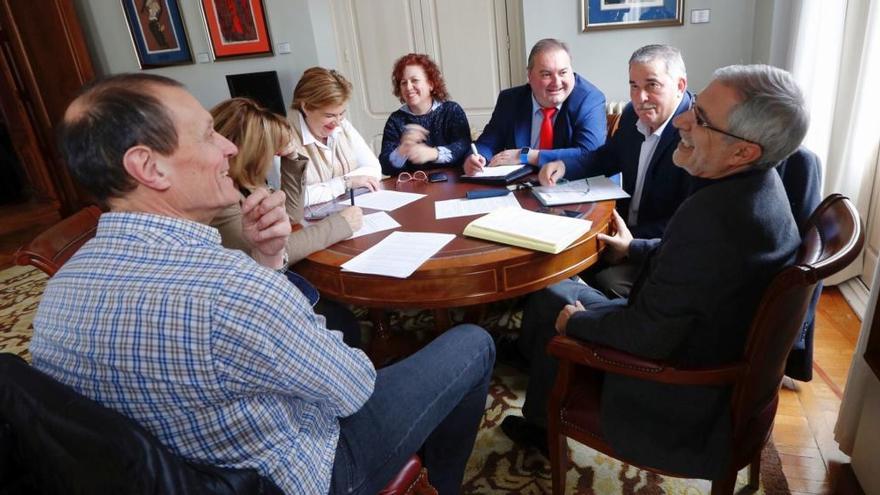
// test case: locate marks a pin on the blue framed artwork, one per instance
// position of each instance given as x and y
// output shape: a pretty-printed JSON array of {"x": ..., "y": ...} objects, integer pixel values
[
  {"x": 617, "y": 14},
  {"x": 157, "y": 32}
]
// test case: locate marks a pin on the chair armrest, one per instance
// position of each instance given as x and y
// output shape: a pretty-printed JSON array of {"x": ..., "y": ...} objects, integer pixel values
[{"x": 614, "y": 361}]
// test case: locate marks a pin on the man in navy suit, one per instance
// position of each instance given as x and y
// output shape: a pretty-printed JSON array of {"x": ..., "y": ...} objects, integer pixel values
[
  {"x": 558, "y": 115},
  {"x": 641, "y": 151}
]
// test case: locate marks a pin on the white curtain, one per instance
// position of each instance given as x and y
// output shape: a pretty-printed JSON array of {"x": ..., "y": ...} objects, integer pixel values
[
  {"x": 835, "y": 57},
  {"x": 857, "y": 380}
]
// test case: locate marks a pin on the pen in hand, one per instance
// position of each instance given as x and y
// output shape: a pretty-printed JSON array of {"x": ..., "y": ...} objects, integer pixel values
[
  {"x": 476, "y": 161},
  {"x": 351, "y": 193}
]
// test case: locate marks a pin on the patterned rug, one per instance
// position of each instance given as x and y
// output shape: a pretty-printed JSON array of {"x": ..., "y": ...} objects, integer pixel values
[{"x": 497, "y": 466}]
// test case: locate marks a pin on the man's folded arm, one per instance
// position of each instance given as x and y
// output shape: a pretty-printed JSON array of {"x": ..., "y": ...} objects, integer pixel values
[{"x": 267, "y": 336}]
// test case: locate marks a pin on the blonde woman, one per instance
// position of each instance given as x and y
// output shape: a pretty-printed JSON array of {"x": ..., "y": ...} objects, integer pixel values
[
  {"x": 259, "y": 134},
  {"x": 338, "y": 157}
]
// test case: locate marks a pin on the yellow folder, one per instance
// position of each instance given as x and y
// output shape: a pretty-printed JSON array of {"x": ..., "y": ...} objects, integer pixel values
[{"x": 528, "y": 229}]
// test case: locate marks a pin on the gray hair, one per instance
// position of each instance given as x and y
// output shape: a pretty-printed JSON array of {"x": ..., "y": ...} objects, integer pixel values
[
  {"x": 772, "y": 111},
  {"x": 546, "y": 45},
  {"x": 669, "y": 55}
]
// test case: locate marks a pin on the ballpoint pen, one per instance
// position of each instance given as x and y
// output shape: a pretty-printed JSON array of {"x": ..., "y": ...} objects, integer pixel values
[{"x": 351, "y": 194}]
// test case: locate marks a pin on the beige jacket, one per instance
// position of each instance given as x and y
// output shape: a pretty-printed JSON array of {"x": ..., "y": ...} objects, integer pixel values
[{"x": 301, "y": 243}]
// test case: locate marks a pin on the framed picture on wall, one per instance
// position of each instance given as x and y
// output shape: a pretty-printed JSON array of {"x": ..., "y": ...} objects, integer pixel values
[
  {"x": 237, "y": 28},
  {"x": 617, "y": 14},
  {"x": 157, "y": 32}
]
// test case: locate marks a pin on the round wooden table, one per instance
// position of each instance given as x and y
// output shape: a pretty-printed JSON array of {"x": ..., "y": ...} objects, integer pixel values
[{"x": 466, "y": 272}]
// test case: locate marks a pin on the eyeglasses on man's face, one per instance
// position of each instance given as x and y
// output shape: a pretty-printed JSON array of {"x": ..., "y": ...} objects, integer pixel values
[
  {"x": 702, "y": 122},
  {"x": 416, "y": 176}
]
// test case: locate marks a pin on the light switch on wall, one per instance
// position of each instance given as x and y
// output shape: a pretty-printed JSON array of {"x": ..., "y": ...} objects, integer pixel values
[
  {"x": 203, "y": 58},
  {"x": 700, "y": 16},
  {"x": 283, "y": 47}
]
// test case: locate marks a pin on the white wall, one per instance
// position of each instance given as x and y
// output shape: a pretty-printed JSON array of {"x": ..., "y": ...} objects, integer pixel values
[
  {"x": 307, "y": 25},
  {"x": 601, "y": 56},
  {"x": 290, "y": 21}
]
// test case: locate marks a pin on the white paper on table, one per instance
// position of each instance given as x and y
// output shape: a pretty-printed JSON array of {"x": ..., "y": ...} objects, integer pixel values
[
  {"x": 385, "y": 200},
  {"x": 463, "y": 207},
  {"x": 499, "y": 171},
  {"x": 376, "y": 222},
  {"x": 599, "y": 188},
  {"x": 603, "y": 188},
  {"x": 398, "y": 255}
]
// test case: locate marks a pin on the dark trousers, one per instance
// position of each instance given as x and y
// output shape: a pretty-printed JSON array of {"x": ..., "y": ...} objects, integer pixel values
[
  {"x": 431, "y": 402},
  {"x": 538, "y": 327}
]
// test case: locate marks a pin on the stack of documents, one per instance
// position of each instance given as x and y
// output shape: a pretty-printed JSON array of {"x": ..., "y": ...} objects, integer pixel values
[
  {"x": 528, "y": 229},
  {"x": 599, "y": 188}
]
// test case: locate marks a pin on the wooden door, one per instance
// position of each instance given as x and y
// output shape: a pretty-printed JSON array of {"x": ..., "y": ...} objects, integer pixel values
[
  {"x": 872, "y": 231},
  {"x": 477, "y": 44},
  {"x": 45, "y": 62}
]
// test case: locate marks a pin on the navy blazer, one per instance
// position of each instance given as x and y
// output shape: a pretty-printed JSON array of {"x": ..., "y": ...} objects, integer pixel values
[
  {"x": 802, "y": 179},
  {"x": 666, "y": 185},
  {"x": 698, "y": 291},
  {"x": 579, "y": 128}
]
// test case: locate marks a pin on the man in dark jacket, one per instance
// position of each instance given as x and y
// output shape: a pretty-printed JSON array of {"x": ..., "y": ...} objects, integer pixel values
[{"x": 699, "y": 286}]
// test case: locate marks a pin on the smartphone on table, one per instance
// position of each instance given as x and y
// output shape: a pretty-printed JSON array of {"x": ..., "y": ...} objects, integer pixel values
[{"x": 437, "y": 177}]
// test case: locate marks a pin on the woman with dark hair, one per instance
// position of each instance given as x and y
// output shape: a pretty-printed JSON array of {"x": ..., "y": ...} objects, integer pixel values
[{"x": 428, "y": 130}]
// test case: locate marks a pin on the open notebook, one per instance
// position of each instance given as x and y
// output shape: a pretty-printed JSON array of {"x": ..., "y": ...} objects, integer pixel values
[{"x": 528, "y": 229}]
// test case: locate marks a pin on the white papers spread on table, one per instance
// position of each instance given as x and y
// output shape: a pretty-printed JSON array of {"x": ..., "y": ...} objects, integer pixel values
[
  {"x": 499, "y": 171},
  {"x": 599, "y": 188},
  {"x": 399, "y": 254},
  {"x": 463, "y": 207},
  {"x": 375, "y": 222},
  {"x": 385, "y": 200},
  {"x": 528, "y": 229}
]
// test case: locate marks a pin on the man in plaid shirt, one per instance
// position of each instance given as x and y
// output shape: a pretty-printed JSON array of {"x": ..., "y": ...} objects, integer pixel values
[{"x": 218, "y": 355}]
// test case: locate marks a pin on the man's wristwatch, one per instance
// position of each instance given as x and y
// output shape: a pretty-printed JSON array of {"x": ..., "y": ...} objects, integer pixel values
[{"x": 524, "y": 155}]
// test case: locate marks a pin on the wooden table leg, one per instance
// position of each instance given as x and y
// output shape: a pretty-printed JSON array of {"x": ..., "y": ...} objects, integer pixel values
[
  {"x": 442, "y": 321},
  {"x": 386, "y": 346}
]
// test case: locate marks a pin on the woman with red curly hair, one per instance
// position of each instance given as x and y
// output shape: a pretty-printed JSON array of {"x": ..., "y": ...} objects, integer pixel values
[{"x": 428, "y": 130}]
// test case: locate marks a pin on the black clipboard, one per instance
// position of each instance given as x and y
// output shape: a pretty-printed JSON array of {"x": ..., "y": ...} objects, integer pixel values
[{"x": 500, "y": 179}]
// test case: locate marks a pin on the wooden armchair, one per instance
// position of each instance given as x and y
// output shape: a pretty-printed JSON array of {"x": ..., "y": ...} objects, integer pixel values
[
  {"x": 52, "y": 248},
  {"x": 612, "y": 123},
  {"x": 832, "y": 238}
]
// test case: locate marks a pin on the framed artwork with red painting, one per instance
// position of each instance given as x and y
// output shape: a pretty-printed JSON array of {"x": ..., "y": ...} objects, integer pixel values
[{"x": 237, "y": 28}]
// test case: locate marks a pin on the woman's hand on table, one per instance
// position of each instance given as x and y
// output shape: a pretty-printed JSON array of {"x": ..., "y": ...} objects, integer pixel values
[
  {"x": 357, "y": 181},
  {"x": 354, "y": 216}
]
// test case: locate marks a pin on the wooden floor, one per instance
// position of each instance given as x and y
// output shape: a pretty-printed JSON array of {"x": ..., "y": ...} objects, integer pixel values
[{"x": 804, "y": 430}]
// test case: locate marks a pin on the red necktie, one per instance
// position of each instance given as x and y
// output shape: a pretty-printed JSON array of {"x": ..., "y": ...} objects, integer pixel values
[{"x": 545, "y": 141}]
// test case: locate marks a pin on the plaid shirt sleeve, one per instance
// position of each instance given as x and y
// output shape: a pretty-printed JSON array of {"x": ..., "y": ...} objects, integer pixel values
[{"x": 267, "y": 337}]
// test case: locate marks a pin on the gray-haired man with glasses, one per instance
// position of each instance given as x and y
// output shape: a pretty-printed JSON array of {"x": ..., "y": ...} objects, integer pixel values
[{"x": 699, "y": 286}]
